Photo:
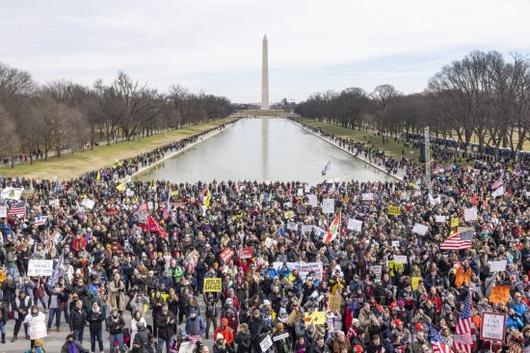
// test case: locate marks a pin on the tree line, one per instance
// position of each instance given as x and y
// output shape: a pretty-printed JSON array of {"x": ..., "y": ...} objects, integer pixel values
[
  {"x": 63, "y": 115},
  {"x": 483, "y": 96}
]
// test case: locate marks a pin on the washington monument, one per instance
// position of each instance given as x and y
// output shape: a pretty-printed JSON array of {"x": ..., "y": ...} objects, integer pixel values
[{"x": 265, "y": 75}]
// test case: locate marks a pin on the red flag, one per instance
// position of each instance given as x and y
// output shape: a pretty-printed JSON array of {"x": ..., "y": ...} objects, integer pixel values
[{"x": 154, "y": 227}]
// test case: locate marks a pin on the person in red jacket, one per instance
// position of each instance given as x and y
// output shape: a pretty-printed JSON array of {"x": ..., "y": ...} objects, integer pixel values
[
  {"x": 226, "y": 331},
  {"x": 78, "y": 243}
]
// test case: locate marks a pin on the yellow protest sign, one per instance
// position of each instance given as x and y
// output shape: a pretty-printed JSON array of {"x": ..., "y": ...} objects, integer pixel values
[
  {"x": 315, "y": 318},
  {"x": 394, "y": 267},
  {"x": 394, "y": 210},
  {"x": 288, "y": 214},
  {"x": 120, "y": 187},
  {"x": 212, "y": 285},
  {"x": 500, "y": 295},
  {"x": 415, "y": 282},
  {"x": 334, "y": 302},
  {"x": 455, "y": 221}
]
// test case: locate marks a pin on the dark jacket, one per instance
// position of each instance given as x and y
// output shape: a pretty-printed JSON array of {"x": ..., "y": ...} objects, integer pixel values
[
  {"x": 115, "y": 326},
  {"x": 95, "y": 320},
  {"x": 141, "y": 341},
  {"x": 77, "y": 319},
  {"x": 165, "y": 324},
  {"x": 243, "y": 342}
]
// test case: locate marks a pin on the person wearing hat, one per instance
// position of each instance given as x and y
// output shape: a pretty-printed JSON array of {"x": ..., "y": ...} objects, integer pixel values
[
  {"x": 36, "y": 324},
  {"x": 72, "y": 346},
  {"x": 220, "y": 345}
]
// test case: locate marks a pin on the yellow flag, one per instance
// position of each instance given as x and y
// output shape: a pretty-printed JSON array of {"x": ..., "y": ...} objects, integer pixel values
[
  {"x": 121, "y": 187},
  {"x": 98, "y": 176}
]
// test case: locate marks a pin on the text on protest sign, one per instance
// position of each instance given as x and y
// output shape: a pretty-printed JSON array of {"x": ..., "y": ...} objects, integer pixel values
[
  {"x": 312, "y": 200},
  {"x": 246, "y": 253},
  {"x": 304, "y": 268},
  {"x": 334, "y": 302},
  {"x": 394, "y": 210},
  {"x": 470, "y": 214},
  {"x": 315, "y": 318},
  {"x": 328, "y": 206},
  {"x": 420, "y": 229},
  {"x": 497, "y": 266},
  {"x": 493, "y": 326},
  {"x": 266, "y": 343},
  {"x": 355, "y": 225},
  {"x": 368, "y": 196},
  {"x": 212, "y": 285},
  {"x": 226, "y": 254},
  {"x": 40, "y": 267}
]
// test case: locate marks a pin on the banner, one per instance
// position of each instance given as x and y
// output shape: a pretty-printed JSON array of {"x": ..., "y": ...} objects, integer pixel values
[
  {"x": 246, "y": 253},
  {"x": 420, "y": 229},
  {"x": 328, "y": 206},
  {"x": 334, "y": 302},
  {"x": 394, "y": 210},
  {"x": 493, "y": 326},
  {"x": 11, "y": 193},
  {"x": 40, "y": 267},
  {"x": 355, "y": 225},
  {"x": 470, "y": 214},
  {"x": 212, "y": 285},
  {"x": 304, "y": 268},
  {"x": 315, "y": 318},
  {"x": 500, "y": 295}
]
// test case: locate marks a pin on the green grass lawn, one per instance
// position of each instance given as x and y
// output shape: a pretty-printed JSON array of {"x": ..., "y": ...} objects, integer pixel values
[
  {"x": 390, "y": 147},
  {"x": 73, "y": 165}
]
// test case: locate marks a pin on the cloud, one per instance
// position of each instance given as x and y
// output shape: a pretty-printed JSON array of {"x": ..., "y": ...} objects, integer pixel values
[{"x": 215, "y": 45}]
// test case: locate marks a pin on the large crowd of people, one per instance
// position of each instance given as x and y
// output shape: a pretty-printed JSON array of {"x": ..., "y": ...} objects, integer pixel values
[{"x": 263, "y": 267}]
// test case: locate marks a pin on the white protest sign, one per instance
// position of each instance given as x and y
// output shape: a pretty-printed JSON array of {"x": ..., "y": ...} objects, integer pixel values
[
  {"x": 307, "y": 188},
  {"x": 129, "y": 193},
  {"x": 266, "y": 343},
  {"x": 37, "y": 331},
  {"x": 420, "y": 229},
  {"x": 269, "y": 242},
  {"x": 54, "y": 203},
  {"x": 328, "y": 206},
  {"x": 493, "y": 326},
  {"x": 280, "y": 337},
  {"x": 497, "y": 266},
  {"x": 11, "y": 193},
  {"x": 307, "y": 228},
  {"x": 395, "y": 243},
  {"x": 312, "y": 199},
  {"x": 368, "y": 196},
  {"x": 40, "y": 267},
  {"x": 440, "y": 219},
  {"x": 3, "y": 211},
  {"x": 401, "y": 259},
  {"x": 88, "y": 203},
  {"x": 292, "y": 226},
  {"x": 304, "y": 268},
  {"x": 355, "y": 225},
  {"x": 376, "y": 270},
  {"x": 470, "y": 214}
]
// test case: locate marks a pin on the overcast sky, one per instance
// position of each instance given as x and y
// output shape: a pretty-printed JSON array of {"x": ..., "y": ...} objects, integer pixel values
[{"x": 216, "y": 45}]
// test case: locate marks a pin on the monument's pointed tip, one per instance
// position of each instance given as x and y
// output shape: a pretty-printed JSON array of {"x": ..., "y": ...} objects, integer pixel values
[{"x": 265, "y": 36}]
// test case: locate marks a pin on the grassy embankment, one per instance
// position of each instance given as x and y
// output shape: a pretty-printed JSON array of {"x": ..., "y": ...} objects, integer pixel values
[
  {"x": 73, "y": 165},
  {"x": 391, "y": 147}
]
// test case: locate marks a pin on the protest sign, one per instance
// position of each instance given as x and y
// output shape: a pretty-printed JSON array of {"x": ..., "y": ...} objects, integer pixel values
[
  {"x": 3, "y": 211},
  {"x": 226, "y": 254},
  {"x": 246, "y": 253},
  {"x": 500, "y": 295},
  {"x": 266, "y": 343},
  {"x": 312, "y": 199},
  {"x": 334, "y": 302},
  {"x": 40, "y": 267},
  {"x": 37, "y": 331},
  {"x": 497, "y": 266},
  {"x": 394, "y": 210},
  {"x": 307, "y": 188},
  {"x": 88, "y": 203},
  {"x": 307, "y": 228},
  {"x": 440, "y": 219},
  {"x": 455, "y": 222},
  {"x": 315, "y": 318},
  {"x": 212, "y": 285},
  {"x": 394, "y": 267},
  {"x": 54, "y": 203},
  {"x": 288, "y": 214},
  {"x": 470, "y": 214},
  {"x": 395, "y": 243},
  {"x": 328, "y": 206},
  {"x": 355, "y": 225},
  {"x": 420, "y": 229},
  {"x": 400, "y": 259},
  {"x": 292, "y": 226},
  {"x": 493, "y": 326},
  {"x": 304, "y": 268},
  {"x": 280, "y": 337},
  {"x": 368, "y": 196},
  {"x": 269, "y": 242},
  {"x": 376, "y": 270}
]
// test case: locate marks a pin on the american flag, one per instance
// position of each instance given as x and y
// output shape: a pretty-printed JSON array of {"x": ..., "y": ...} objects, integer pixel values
[
  {"x": 439, "y": 344},
  {"x": 18, "y": 209},
  {"x": 40, "y": 220},
  {"x": 458, "y": 241},
  {"x": 463, "y": 340}
]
